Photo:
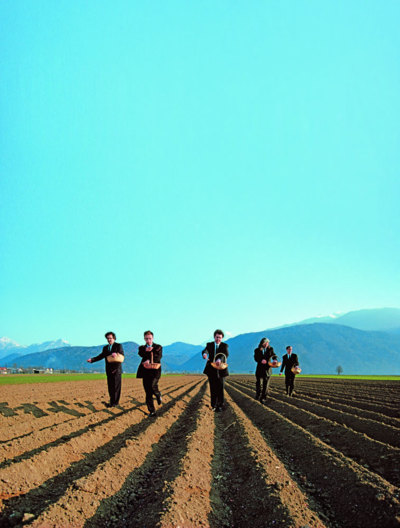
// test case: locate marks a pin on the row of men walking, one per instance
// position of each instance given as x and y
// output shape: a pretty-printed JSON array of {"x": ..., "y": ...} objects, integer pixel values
[{"x": 215, "y": 353}]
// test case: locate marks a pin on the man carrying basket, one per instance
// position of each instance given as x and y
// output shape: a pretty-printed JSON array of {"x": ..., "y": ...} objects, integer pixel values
[
  {"x": 289, "y": 362},
  {"x": 150, "y": 370},
  {"x": 113, "y": 353},
  {"x": 266, "y": 359},
  {"x": 216, "y": 369}
]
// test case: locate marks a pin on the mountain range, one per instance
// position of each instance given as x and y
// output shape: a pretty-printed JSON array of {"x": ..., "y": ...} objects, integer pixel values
[
  {"x": 361, "y": 342},
  {"x": 9, "y": 349},
  {"x": 380, "y": 319}
]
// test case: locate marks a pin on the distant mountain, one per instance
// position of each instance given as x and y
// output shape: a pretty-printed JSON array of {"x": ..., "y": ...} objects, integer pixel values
[
  {"x": 74, "y": 357},
  {"x": 10, "y": 350},
  {"x": 178, "y": 353},
  {"x": 6, "y": 343},
  {"x": 381, "y": 319},
  {"x": 378, "y": 319},
  {"x": 321, "y": 348},
  {"x": 394, "y": 331},
  {"x": 353, "y": 340}
]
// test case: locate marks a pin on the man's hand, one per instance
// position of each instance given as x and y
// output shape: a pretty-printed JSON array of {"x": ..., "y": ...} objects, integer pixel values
[
  {"x": 280, "y": 373},
  {"x": 89, "y": 360},
  {"x": 205, "y": 356},
  {"x": 264, "y": 361},
  {"x": 147, "y": 362},
  {"x": 114, "y": 354}
]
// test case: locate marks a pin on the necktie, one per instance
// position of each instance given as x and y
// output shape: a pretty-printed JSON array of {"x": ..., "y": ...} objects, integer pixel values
[{"x": 109, "y": 348}]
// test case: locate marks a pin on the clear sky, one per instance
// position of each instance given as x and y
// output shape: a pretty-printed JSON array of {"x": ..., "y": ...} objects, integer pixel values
[{"x": 183, "y": 166}]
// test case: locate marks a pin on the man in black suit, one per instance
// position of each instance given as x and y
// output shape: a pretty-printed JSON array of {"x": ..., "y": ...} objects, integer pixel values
[
  {"x": 113, "y": 370},
  {"x": 150, "y": 352},
  {"x": 289, "y": 361},
  {"x": 213, "y": 353},
  {"x": 263, "y": 354}
]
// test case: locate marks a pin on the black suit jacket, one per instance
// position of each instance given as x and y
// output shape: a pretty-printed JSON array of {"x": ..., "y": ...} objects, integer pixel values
[
  {"x": 111, "y": 368},
  {"x": 210, "y": 350},
  {"x": 260, "y": 354},
  {"x": 289, "y": 362},
  {"x": 157, "y": 354}
]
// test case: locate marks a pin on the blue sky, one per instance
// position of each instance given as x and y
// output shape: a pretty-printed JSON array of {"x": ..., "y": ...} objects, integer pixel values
[{"x": 183, "y": 166}]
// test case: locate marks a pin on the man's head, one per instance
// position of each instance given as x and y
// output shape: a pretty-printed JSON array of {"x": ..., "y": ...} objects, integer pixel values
[
  {"x": 148, "y": 337},
  {"x": 289, "y": 349},
  {"x": 218, "y": 336},
  {"x": 111, "y": 337}
]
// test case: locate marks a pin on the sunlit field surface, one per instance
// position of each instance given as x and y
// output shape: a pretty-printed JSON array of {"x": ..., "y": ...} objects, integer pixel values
[{"x": 327, "y": 457}]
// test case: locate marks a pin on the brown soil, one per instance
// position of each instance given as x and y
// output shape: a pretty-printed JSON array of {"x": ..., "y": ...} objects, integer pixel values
[{"x": 326, "y": 458}]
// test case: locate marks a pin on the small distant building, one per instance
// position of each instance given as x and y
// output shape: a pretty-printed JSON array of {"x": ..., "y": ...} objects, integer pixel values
[{"x": 3, "y": 370}]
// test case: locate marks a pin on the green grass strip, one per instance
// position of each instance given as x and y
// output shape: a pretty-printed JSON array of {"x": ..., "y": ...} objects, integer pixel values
[{"x": 20, "y": 379}]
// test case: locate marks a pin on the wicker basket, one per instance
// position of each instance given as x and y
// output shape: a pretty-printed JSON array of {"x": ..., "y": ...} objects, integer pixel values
[
  {"x": 151, "y": 365},
  {"x": 223, "y": 365},
  {"x": 119, "y": 358},
  {"x": 274, "y": 364},
  {"x": 296, "y": 370}
]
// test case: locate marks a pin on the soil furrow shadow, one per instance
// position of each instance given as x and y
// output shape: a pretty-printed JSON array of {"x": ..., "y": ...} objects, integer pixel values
[
  {"x": 363, "y": 449},
  {"x": 37, "y": 500},
  {"x": 240, "y": 496},
  {"x": 335, "y": 405},
  {"x": 347, "y": 494},
  {"x": 65, "y": 438},
  {"x": 373, "y": 429},
  {"x": 89, "y": 405},
  {"x": 140, "y": 499}
]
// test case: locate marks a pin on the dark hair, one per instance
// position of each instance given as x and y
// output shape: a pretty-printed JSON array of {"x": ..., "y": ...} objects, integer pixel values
[
  {"x": 110, "y": 333},
  {"x": 289, "y": 346},
  {"x": 263, "y": 340},
  {"x": 148, "y": 332},
  {"x": 218, "y": 331}
]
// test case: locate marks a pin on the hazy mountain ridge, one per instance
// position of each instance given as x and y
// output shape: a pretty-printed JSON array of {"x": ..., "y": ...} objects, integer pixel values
[
  {"x": 378, "y": 319},
  {"x": 12, "y": 350},
  {"x": 321, "y": 346},
  {"x": 74, "y": 357}
]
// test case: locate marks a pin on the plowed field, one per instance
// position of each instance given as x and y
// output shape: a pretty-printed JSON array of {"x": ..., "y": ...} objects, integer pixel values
[{"x": 327, "y": 457}]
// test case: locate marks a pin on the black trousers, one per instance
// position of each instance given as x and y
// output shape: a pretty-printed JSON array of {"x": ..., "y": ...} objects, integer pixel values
[
  {"x": 216, "y": 389},
  {"x": 265, "y": 385},
  {"x": 114, "y": 386},
  {"x": 150, "y": 385},
  {"x": 289, "y": 381}
]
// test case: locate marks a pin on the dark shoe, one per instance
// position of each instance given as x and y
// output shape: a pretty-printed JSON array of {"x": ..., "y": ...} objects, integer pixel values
[
  {"x": 153, "y": 413},
  {"x": 218, "y": 409},
  {"x": 159, "y": 399},
  {"x": 108, "y": 405}
]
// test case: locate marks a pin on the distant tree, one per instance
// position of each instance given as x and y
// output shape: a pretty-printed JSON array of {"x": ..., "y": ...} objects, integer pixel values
[{"x": 339, "y": 369}]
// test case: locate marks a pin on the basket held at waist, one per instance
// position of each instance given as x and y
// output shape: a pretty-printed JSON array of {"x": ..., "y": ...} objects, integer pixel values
[
  {"x": 220, "y": 366},
  {"x": 119, "y": 358}
]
